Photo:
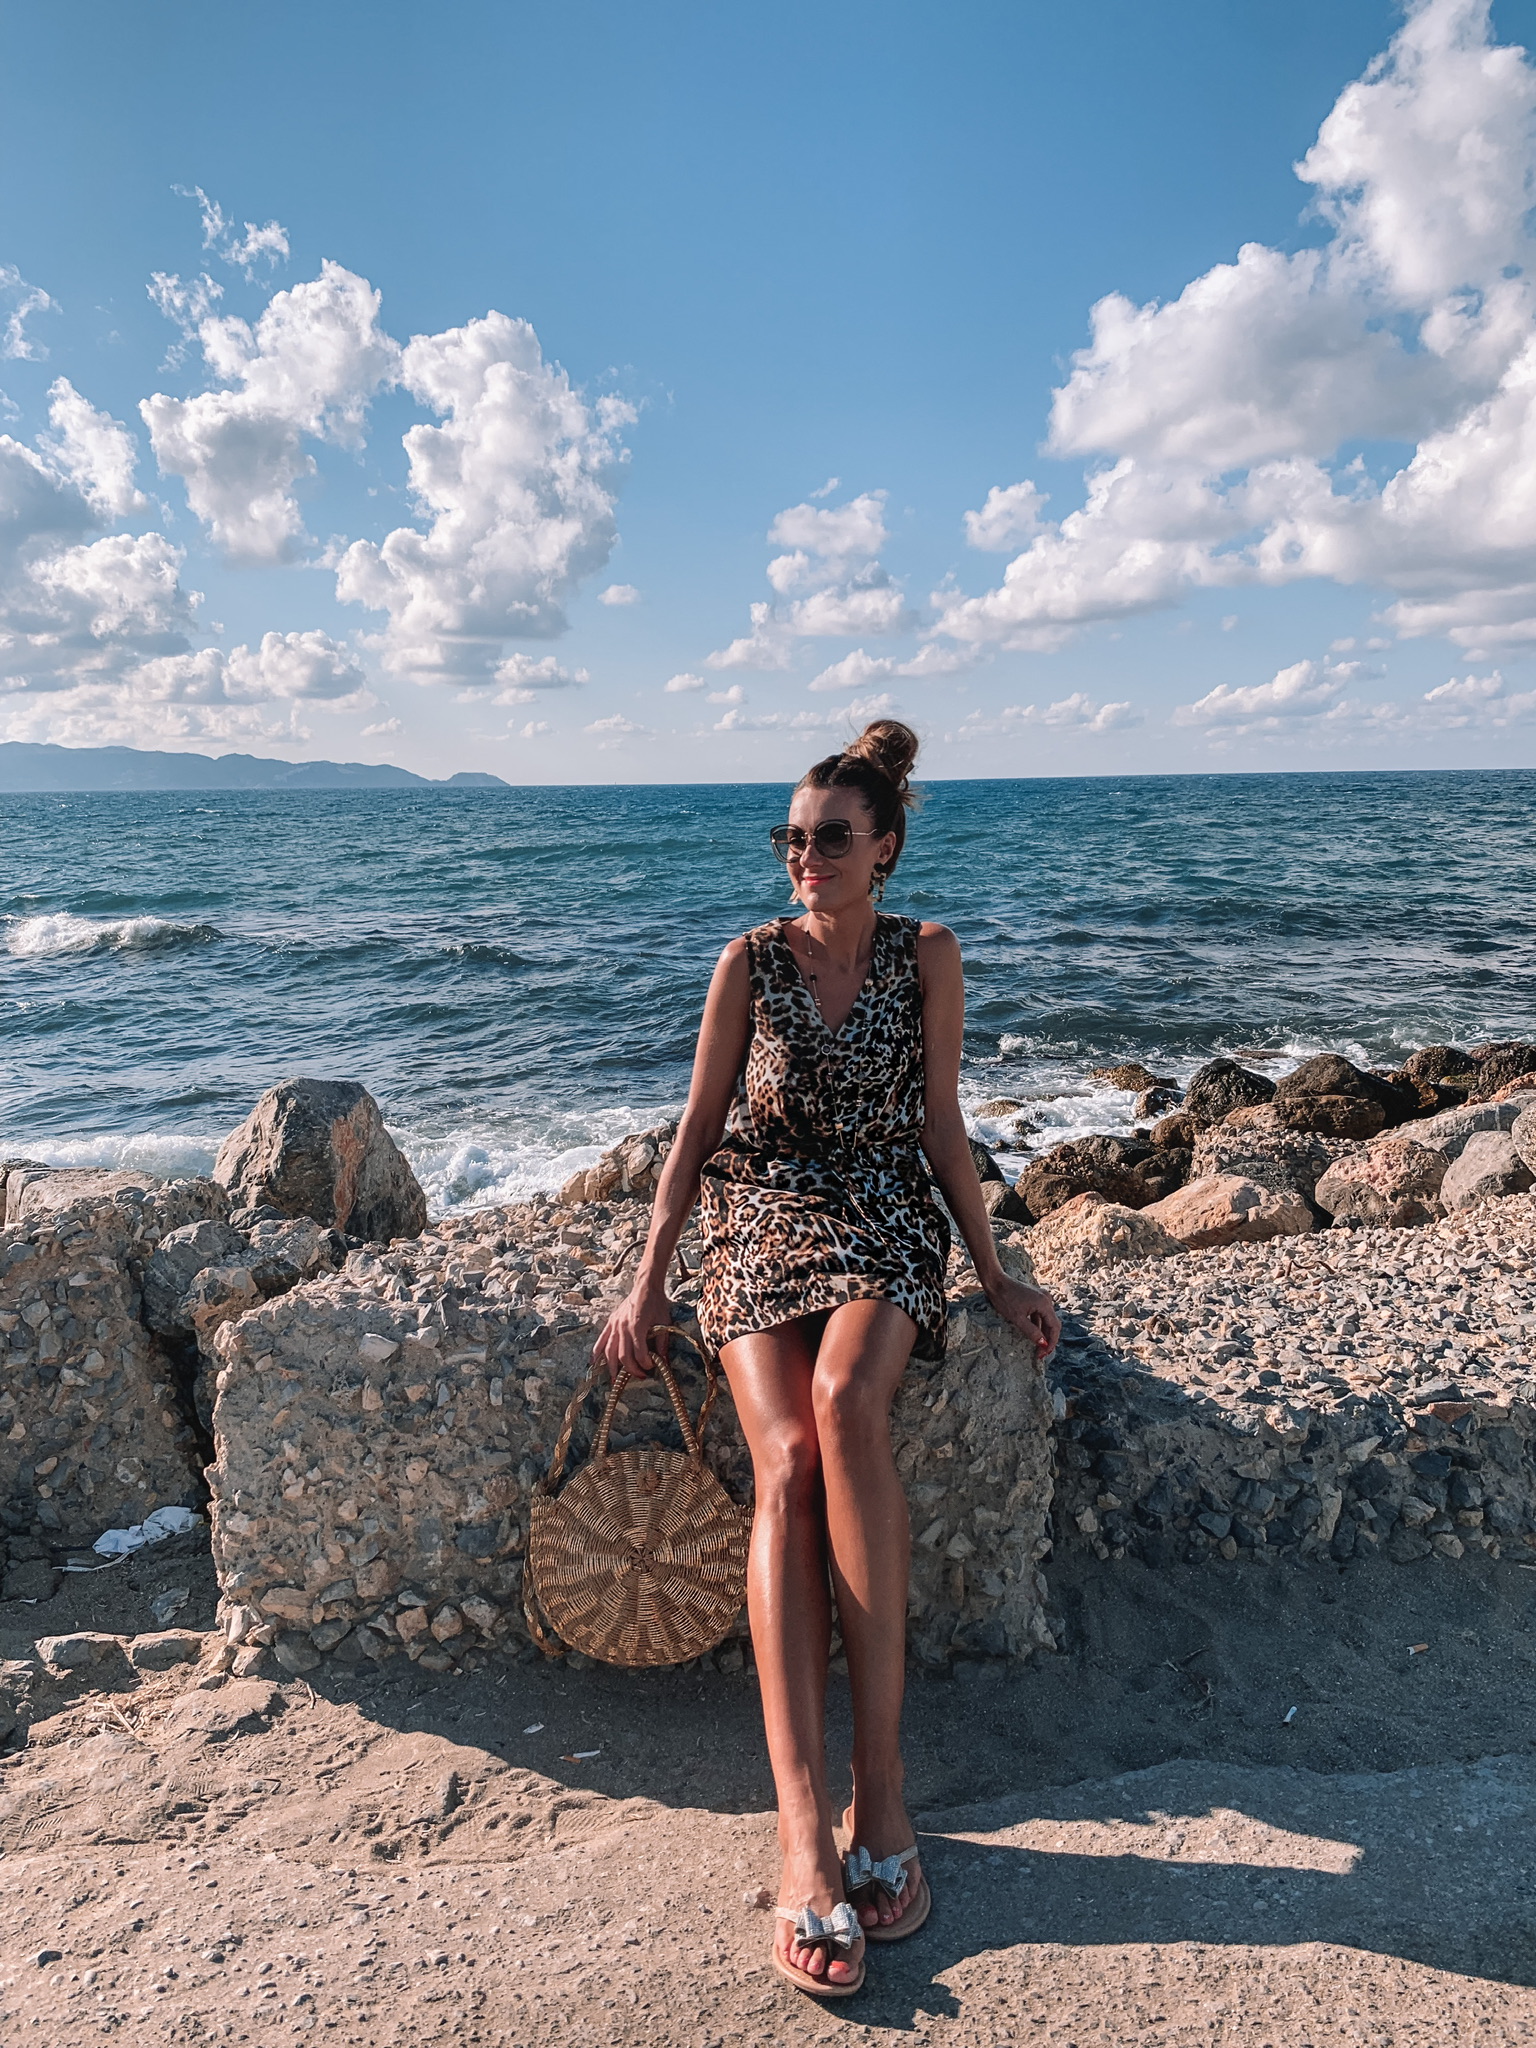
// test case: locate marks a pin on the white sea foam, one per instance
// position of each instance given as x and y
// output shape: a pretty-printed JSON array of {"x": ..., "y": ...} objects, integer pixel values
[
  {"x": 61, "y": 932},
  {"x": 167, "y": 1155}
]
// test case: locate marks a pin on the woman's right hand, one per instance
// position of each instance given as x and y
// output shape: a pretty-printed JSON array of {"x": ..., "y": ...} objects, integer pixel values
[{"x": 623, "y": 1341}]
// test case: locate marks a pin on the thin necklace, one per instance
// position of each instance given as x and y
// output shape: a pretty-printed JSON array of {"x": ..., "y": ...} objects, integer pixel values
[{"x": 810, "y": 970}]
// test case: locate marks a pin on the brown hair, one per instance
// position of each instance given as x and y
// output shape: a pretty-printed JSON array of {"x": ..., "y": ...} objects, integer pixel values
[{"x": 877, "y": 764}]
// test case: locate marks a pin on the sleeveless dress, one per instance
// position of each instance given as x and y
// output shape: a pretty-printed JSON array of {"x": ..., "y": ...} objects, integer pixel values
[{"x": 819, "y": 1193}]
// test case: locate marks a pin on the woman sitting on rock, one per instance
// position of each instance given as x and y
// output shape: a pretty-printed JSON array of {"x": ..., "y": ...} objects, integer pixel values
[{"x": 826, "y": 1073}]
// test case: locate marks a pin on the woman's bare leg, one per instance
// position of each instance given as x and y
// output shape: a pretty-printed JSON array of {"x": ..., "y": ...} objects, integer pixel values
[
  {"x": 788, "y": 1603},
  {"x": 862, "y": 1356}
]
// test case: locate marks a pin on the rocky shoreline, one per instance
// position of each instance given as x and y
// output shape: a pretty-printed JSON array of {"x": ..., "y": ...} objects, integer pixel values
[{"x": 1304, "y": 1332}]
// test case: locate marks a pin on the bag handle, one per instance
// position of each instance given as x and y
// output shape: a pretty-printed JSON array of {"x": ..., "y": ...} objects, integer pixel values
[{"x": 693, "y": 1434}]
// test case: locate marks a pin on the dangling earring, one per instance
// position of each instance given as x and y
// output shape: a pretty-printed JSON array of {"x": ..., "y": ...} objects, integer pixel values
[{"x": 877, "y": 886}]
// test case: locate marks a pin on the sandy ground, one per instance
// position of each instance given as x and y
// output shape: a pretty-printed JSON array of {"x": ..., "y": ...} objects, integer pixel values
[{"x": 1128, "y": 1842}]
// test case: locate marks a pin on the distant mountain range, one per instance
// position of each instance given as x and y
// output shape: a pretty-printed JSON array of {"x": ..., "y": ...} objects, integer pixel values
[{"x": 26, "y": 768}]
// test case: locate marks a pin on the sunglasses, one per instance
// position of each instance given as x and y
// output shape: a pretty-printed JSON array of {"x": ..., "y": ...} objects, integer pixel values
[{"x": 832, "y": 839}]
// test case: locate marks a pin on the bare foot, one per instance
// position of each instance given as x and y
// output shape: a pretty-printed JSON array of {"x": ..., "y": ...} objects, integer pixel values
[
  {"x": 814, "y": 1879},
  {"x": 881, "y": 1826}
]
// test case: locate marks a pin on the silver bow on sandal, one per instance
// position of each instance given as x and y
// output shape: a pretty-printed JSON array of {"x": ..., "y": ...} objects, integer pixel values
[
  {"x": 838, "y": 1931},
  {"x": 890, "y": 1876}
]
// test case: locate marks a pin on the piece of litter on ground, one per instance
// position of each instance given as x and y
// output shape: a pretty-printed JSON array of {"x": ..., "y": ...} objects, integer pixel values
[
  {"x": 1417, "y": 1649},
  {"x": 757, "y": 1899},
  {"x": 1290, "y": 1715},
  {"x": 153, "y": 1529},
  {"x": 580, "y": 1756},
  {"x": 533, "y": 1728},
  {"x": 170, "y": 1601}
]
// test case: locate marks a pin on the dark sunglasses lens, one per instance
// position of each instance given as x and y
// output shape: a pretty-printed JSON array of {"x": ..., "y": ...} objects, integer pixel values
[
  {"x": 785, "y": 840},
  {"x": 834, "y": 838}
]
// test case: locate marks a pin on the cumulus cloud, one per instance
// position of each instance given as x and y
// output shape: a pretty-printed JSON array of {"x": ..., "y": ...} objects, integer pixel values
[
  {"x": 535, "y": 729},
  {"x": 518, "y": 486},
  {"x": 385, "y": 729},
  {"x": 1009, "y": 516},
  {"x": 856, "y": 671},
  {"x": 613, "y": 731},
  {"x": 1077, "y": 713},
  {"x": 22, "y": 300},
  {"x": 684, "y": 684},
  {"x": 1227, "y": 422},
  {"x": 619, "y": 593},
  {"x": 827, "y": 583},
  {"x": 847, "y": 721},
  {"x": 522, "y": 678},
  {"x": 1478, "y": 701},
  {"x": 1300, "y": 691},
  {"x": 95, "y": 452},
  {"x": 308, "y": 368}
]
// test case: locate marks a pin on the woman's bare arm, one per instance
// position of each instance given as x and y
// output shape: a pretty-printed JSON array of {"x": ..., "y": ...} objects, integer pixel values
[
  {"x": 716, "y": 1067},
  {"x": 947, "y": 1147}
]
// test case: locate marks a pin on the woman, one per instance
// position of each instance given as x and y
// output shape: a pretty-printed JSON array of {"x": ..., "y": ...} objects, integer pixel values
[{"x": 826, "y": 1072}]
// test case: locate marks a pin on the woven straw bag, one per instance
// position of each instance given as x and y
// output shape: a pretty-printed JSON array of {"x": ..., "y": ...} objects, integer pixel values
[{"x": 641, "y": 1558}]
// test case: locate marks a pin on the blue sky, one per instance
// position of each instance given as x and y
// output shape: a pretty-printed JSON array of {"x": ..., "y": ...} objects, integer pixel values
[{"x": 1262, "y": 512}]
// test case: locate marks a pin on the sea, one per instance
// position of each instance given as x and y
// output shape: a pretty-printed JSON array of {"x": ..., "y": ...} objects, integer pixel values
[{"x": 517, "y": 974}]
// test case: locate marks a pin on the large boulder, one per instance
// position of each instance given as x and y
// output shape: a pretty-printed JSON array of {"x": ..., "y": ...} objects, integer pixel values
[
  {"x": 1224, "y": 1209},
  {"x": 1488, "y": 1165},
  {"x": 380, "y": 1432},
  {"x": 1497, "y": 1066},
  {"x": 1449, "y": 1131},
  {"x": 175, "y": 1263},
  {"x": 320, "y": 1149},
  {"x": 1435, "y": 1063},
  {"x": 1124, "y": 1170},
  {"x": 632, "y": 1167},
  {"x": 1331, "y": 1116},
  {"x": 1523, "y": 1132},
  {"x": 1261, "y": 1145},
  {"x": 91, "y": 1432},
  {"x": 1088, "y": 1233},
  {"x": 1132, "y": 1076},
  {"x": 1394, "y": 1181},
  {"x": 33, "y": 1191},
  {"x": 1330, "y": 1074},
  {"x": 1221, "y": 1086}
]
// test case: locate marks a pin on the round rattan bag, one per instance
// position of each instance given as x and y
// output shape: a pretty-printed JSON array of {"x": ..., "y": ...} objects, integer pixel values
[{"x": 641, "y": 1557}]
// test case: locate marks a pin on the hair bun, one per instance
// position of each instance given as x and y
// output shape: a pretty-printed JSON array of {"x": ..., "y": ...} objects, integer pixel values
[{"x": 889, "y": 746}]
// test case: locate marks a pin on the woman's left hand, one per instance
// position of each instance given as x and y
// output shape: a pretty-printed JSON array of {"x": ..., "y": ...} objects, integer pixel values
[{"x": 1032, "y": 1313}]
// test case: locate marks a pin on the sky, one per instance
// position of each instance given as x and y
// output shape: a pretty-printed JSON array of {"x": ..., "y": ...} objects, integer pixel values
[{"x": 653, "y": 393}]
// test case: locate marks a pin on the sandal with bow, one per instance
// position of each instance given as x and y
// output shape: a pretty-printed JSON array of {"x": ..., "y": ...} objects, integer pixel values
[
  {"x": 834, "y": 1936},
  {"x": 888, "y": 1878}
]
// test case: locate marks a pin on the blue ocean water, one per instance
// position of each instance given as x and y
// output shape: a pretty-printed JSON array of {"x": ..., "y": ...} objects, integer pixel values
[{"x": 517, "y": 974}]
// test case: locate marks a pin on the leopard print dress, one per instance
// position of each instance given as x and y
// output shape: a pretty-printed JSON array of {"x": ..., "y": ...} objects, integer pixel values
[{"x": 819, "y": 1193}]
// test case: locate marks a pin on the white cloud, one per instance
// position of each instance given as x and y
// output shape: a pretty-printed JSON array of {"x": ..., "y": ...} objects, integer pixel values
[
  {"x": 186, "y": 302},
  {"x": 684, "y": 684},
  {"x": 16, "y": 345},
  {"x": 518, "y": 487},
  {"x": 827, "y": 488},
  {"x": 1300, "y": 691},
  {"x": 1479, "y": 701},
  {"x": 309, "y": 368},
  {"x": 619, "y": 593},
  {"x": 734, "y": 695},
  {"x": 856, "y": 671},
  {"x": 1226, "y": 418},
  {"x": 613, "y": 731},
  {"x": 385, "y": 729},
  {"x": 1007, "y": 517},
  {"x": 535, "y": 729},
  {"x": 828, "y": 584},
  {"x": 94, "y": 451},
  {"x": 1077, "y": 713},
  {"x": 522, "y": 679},
  {"x": 267, "y": 244},
  {"x": 846, "y": 721}
]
